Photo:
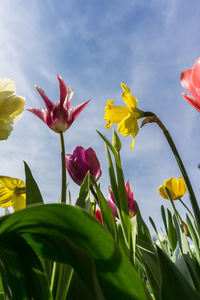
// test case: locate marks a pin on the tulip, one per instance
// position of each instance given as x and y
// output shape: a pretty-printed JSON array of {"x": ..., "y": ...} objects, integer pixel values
[
  {"x": 190, "y": 80},
  {"x": 130, "y": 199},
  {"x": 12, "y": 193},
  {"x": 126, "y": 117},
  {"x": 175, "y": 186},
  {"x": 80, "y": 162},
  {"x": 11, "y": 107},
  {"x": 98, "y": 215},
  {"x": 57, "y": 116}
]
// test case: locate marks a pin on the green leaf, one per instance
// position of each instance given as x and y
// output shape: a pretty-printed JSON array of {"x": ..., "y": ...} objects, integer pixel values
[
  {"x": 164, "y": 218},
  {"x": 153, "y": 225},
  {"x": 107, "y": 215},
  {"x": 24, "y": 273},
  {"x": 181, "y": 237},
  {"x": 33, "y": 195},
  {"x": 194, "y": 238},
  {"x": 70, "y": 235},
  {"x": 143, "y": 231},
  {"x": 83, "y": 200},
  {"x": 123, "y": 204},
  {"x": 174, "y": 286},
  {"x": 171, "y": 232}
]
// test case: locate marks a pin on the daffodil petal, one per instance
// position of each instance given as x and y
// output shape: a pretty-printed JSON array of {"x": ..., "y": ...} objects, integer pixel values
[
  {"x": 114, "y": 114},
  {"x": 129, "y": 100},
  {"x": 133, "y": 143},
  {"x": 20, "y": 202},
  {"x": 5, "y": 130},
  {"x": 125, "y": 88},
  {"x": 128, "y": 126},
  {"x": 6, "y": 195}
]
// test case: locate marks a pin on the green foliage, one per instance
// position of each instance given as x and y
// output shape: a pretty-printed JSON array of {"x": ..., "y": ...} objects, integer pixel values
[
  {"x": 69, "y": 235},
  {"x": 33, "y": 195}
]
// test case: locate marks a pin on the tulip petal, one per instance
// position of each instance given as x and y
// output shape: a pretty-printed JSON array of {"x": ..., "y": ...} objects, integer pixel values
[
  {"x": 196, "y": 73},
  {"x": 76, "y": 168},
  {"x": 192, "y": 101},
  {"x": 40, "y": 113},
  {"x": 76, "y": 110},
  {"x": 113, "y": 208},
  {"x": 63, "y": 90},
  {"x": 186, "y": 81},
  {"x": 49, "y": 104},
  {"x": 93, "y": 163}
]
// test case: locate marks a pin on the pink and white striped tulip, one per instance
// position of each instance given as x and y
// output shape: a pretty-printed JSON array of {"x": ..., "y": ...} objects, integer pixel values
[{"x": 57, "y": 116}]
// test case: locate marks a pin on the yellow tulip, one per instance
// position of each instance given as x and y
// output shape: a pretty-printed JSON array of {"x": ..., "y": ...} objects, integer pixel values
[
  {"x": 11, "y": 107},
  {"x": 175, "y": 186},
  {"x": 126, "y": 117},
  {"x": 12, "y": 193}
]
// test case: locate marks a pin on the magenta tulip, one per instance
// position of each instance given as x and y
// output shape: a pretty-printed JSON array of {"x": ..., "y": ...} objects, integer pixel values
[
  {"x": 130, "y": 199},
  {"x": 190, "y": 80},
  {"x": 80, "y": 162},
  {"x": 57, "y": 116}
]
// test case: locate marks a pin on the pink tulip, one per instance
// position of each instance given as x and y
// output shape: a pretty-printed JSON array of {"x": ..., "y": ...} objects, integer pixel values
[
  {"x": 130, "y": 199},
  {"x": 80, "y": 162},
  {"x": 58, "y": 116},
  {"x": 190, "y": 80}
]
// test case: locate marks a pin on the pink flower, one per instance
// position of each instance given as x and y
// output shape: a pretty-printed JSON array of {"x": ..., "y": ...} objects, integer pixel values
[
  {"x": 130, "y": 199},
  {"x": 80, "y": 162},
  {"x": 190, "y": 80},
  {"x": 58, "y": 116}
]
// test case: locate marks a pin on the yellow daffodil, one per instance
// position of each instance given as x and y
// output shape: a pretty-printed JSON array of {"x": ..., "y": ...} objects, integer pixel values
[
  {"x": 175, "y": 186},
  {"x": 12, "y": 193},
  {"x": 11, "y": 107},
  {"x": 126, "y": 117}
]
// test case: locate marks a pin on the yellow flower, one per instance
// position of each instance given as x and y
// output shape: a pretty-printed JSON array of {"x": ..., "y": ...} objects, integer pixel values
[
  {"x": 175, "y": 186},
  {"x": 11, "y": 107},
  {"x": 126, "y": 117},
  {"x": 12, "y": 193}
]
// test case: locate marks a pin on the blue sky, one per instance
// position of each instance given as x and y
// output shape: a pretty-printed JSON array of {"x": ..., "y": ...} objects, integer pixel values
[{"x": 94, "y": 46}]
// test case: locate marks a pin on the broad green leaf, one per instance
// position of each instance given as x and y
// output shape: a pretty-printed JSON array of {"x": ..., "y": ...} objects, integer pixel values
[
  {"x": 173, "y": 284},
  {"x": 70, "y": 235},
  {"x": 33, "y": 195},
  {"x": 194, "y": 269},
  {"x": 24, "y": 274}
]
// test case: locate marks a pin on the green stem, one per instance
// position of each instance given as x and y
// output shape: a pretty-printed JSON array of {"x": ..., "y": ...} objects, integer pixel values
[
  {"x": 154, "y": 119},
  {"x": 94, "y": 194},
  {"x": 64, "y": 177},
  {"x": 187, "y": 208}
]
